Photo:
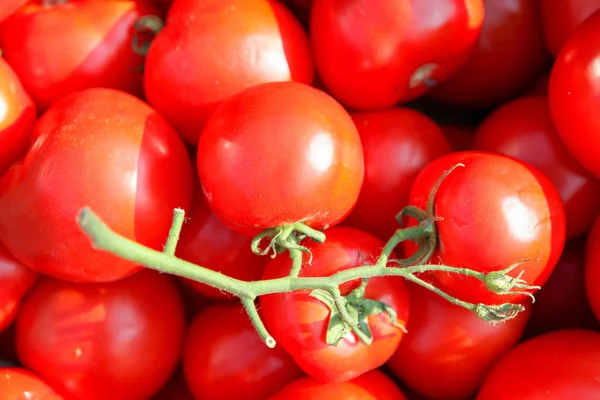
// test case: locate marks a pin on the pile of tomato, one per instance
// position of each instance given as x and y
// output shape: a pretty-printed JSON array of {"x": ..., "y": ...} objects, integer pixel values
[{"x": 472, "y": 127}]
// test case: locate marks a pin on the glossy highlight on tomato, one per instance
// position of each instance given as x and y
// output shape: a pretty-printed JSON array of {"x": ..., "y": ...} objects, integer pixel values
[
  {"x": 19, "y": 383},
  {"x": 280, "y": 153}
]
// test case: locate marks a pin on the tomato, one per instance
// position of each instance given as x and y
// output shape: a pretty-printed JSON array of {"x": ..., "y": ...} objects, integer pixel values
[
  {"x": 509, "y": 55},
  {"x": 299, "y": 321},
  {"x": 397, "y": 144},
  {"x": 118, "y": 340},
  {"x": 574, "y": 94},
  {"x": 244, "y": 42},
  {"x": 175, "y": 389},
  {"x": 496, "y": 211},
  {"x": 16, "y": 119},
  {"x": 558, "y": 365},
  {"x": 18, "y": 384},
  {"x": 523, "y": 129},
  {"x": 592, "y": 269},
  {"x": 280, "y": 153},
  {"x": 372, "y": 54},
  {"x": 8, "y": 7},
  {"x": 224, "y": 358},
  {"x": 562, "y": 303},
  {"x": 450, "y": 346},
  {"x": 100, "y": 148},
  {"x": 90, "y": 46},
  {"x": 15, "y": 281},
  {"x": 562, "y": 17},
  {"x": 459, "y": 136},
  {"x": 372, "y": 385},
  {"x": 205, "y": 241}
]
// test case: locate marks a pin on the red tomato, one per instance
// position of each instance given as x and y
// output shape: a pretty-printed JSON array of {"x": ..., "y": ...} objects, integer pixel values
[
  {"x": 561, "y": 17},
  {"x": 90, "y": 46},
  {"x": 280, "y": 153},
  {"x": 119, "y": 340},
  {"x": 510, "y": 54},
  {"x": 224, "y": 358},
  {"x": 574, "y": 93},
  {"x": 372, "y": 54},
  {"x": 243, "y": 42},
  {"x": 397, "y": 144},
  {"x": 205, "y": 241},
  {"x": 15, "y": 281},
  {"x": 105, "y": 149},
  {"x": 459, "y": 136},
  {"x": 372, "y": 385},
  {"x": 175, "y": 389},
  {"x": 17, "y": 117},
  {"x": 523, "y": 129},
  {"x": 592, "y": 269},
  {"x": 8, "y": 7},
  {"x": 450, "y": 346},
  {"x": 558, "y": 365},
  {"x": 299, "y": 322},
  {"x": 496, "y": 211},
  {"x": 562, "y": 303},
  {"x": 20, "y": 384}
]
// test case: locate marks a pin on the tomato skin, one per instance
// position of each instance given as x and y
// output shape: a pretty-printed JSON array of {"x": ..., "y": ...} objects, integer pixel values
[
  {"x": 372, "y": 385},
  {"x": 510, "y": 53},
  {"x": 508, "y": 212},
  {"x": 73, "y": 58},
  {"x": 224, "y": 358},
  {"x": 558, "y": 365},
  {"x": 368, "y": 52},
  {"x": 19, "y": 383},
  {"x": 17, "y": 118},
  {"x": 523, "y": 129},
  {"x": 119, "y": 340},
  {"x": 298, "y": 322},
  {"x": 286, "y": 153},
  {"x": 561, "y": 17},
  {"x": 186, "y": 85},
  {"x": 592, "y": 269},
  {"x": 574, "y": 94},
  {"x": 205, "y": 241},
  {"x": 458, "y": 359},
  {"x": 397, "y": 144},
  {"x": 15, "y": 281},
  {"x": 8, "y": 7},
  {"x": 562, "y": 304},
  {"x": 147, "y": 176}
]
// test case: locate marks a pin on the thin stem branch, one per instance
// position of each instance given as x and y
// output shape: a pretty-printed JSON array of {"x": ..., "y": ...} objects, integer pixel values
[
  {"x": 174, "y": 232},
  {"x": 296, "y": 256},
  {"x": 346, "y": 317},
  {"x": 257, "y": 322}
]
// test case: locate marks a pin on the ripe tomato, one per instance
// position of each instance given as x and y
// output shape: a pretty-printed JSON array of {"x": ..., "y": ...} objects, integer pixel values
[
  {"x": 243, "y": 42},
  {"x": 397, "y": 144},
  {"x": 574, "y": 93},
  {"x": 372, "y": 54},
  {"x": 280, "y": 153},
  {"x": 18, "y": 384},
  {"x": 15, "y": 281},
  {"x": 8, "y": 7},
  {"x": 562, "y": 303},
  {"x": 299, "y": 322},
  {"x": 558, "y": 365},
  {"x": 17, "y": 117},
  {"x": 523, "y": 129},
  {"x": 372, "y": 385},
  {"x": 106, "y": 149},
  {"x": 496, "y": 211},
  {"x": 118, "y": 340},
  {"x": 224, "y": 358},
  {"x": 592, "y": 269},
  {"x": 450, "y": 346},
  {"x": 205, "y": 241},
  {"x": 90, "y": 46},
  {"x": 562, "y": 17},
  {"x": 509, "y": 55}
]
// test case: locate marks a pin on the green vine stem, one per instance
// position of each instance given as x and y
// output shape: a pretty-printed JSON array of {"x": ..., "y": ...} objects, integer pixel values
[
  {"x": 150, "y": 24},
  {"x": 103, "y": 238}
]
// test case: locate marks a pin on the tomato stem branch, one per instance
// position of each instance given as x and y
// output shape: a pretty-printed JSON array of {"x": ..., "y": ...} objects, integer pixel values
[
  {"x": 250, "y": 306},
  {"x": 174, "y": 232}
]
